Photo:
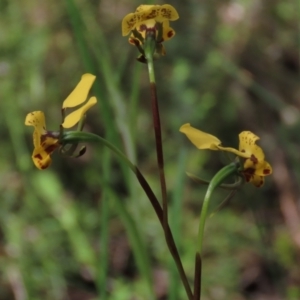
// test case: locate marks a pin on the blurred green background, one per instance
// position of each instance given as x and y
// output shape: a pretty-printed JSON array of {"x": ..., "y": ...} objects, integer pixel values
[{"x": 83, "y": 229}]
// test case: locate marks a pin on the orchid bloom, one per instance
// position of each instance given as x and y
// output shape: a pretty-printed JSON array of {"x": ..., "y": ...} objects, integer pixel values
[
  {"x": 150, "y": 17},
  {"x": 44, "y": 141},
  {"x": 255, "y": 167}
]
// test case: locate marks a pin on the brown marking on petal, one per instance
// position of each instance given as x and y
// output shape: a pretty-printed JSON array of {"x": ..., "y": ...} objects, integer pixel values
[
  {"x": 248, "y": 173},
  {"x": 253, "y": 159},
  {"x": 166, "y": 13},
  {"x": 143, "y": 27},
  {"x": 51, "y": 148},
  {"x": 131, "y": 22},
  {"x": 43, "y": 167},
  {"x": 152, "y": 15},
  {"x": 132, "y": 41},
  {"x": 38, "y": 156},
  {"x": 248, "y": 140},
  {"x": 170, "y": 34},
  {"x": 260, "y": 184},
  {"x": 247, "y": 177},
  {"x": 266, "y": 171},
  {"x": 43, "y": 138}
]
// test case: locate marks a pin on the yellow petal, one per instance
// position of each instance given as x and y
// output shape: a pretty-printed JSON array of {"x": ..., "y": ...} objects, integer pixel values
[
  {"x": 74, "y": 117},
  {"x": 235, "y": 151},
  {"x": 41, "y": 159},
  {"x": 146, "y": 16},
  {"x": 256, "y": 180},
  {"x": 254, "y": 171},
  {"x": 79, "y": 94},
  {"x": 144, "y": 24},
  {"x": 156, "y": 12},
  {"x": 261, "y": 168},
  {"x": 247, "y": 142},
  {"x": 168, "y": 12},
  {"x": 250, "y": 176},
  {"x": 41, "y": 155},
  {"x": 144, "y": 7},
  {"x": 200, "y": 139},
  {"x": 247, "y": 146},
  {"x": 257, "y": 152},
  {"x": 144, "y": 13},
  {"x": 37, "y": 120},
  {"x": 168, "y": 32},
  {"x": 128, "y": 23},
  {"x": 132, "y": 40}
]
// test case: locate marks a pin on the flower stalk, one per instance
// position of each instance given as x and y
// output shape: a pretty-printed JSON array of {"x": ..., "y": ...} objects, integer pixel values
[
  {"x": 197, "y": 276},
  {"x": 216, "y": 181},
  {"x": 79, "y": 137},
  {"x": 149, "y": 50}
]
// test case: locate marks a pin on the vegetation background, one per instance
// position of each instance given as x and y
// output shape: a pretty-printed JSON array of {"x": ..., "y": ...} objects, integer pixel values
[{"x": 83, "y": 229}]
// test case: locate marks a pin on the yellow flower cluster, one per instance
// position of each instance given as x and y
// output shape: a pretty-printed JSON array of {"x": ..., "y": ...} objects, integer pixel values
[
  {"x": 150, "y": 17},
  {"x": 255, "y": 168},
  {"x": 45, "y": 142}
]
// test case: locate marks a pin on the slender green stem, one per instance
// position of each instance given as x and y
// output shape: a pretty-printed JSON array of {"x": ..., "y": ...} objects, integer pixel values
[
  {"x": 223, "y": 174},
  {"x": 226, "y": 186},
  {"x": 79, "y": 136},
  {"x": 149, "y": 50},
  {"x": 214, "y": 183},
  {"x": 71, "y": 137}
]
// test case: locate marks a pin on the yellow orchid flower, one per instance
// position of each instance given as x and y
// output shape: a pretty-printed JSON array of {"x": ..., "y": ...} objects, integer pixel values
[
  {"x": 150, "y": 17},
  {"x": 255, "y": 167},
  {"x": 45, "y": 142}
]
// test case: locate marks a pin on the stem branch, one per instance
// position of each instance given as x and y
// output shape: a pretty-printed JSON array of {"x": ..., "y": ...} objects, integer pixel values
[
  {"x": 71, "y": 137},
  {"x": 214, "y": 183}
]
